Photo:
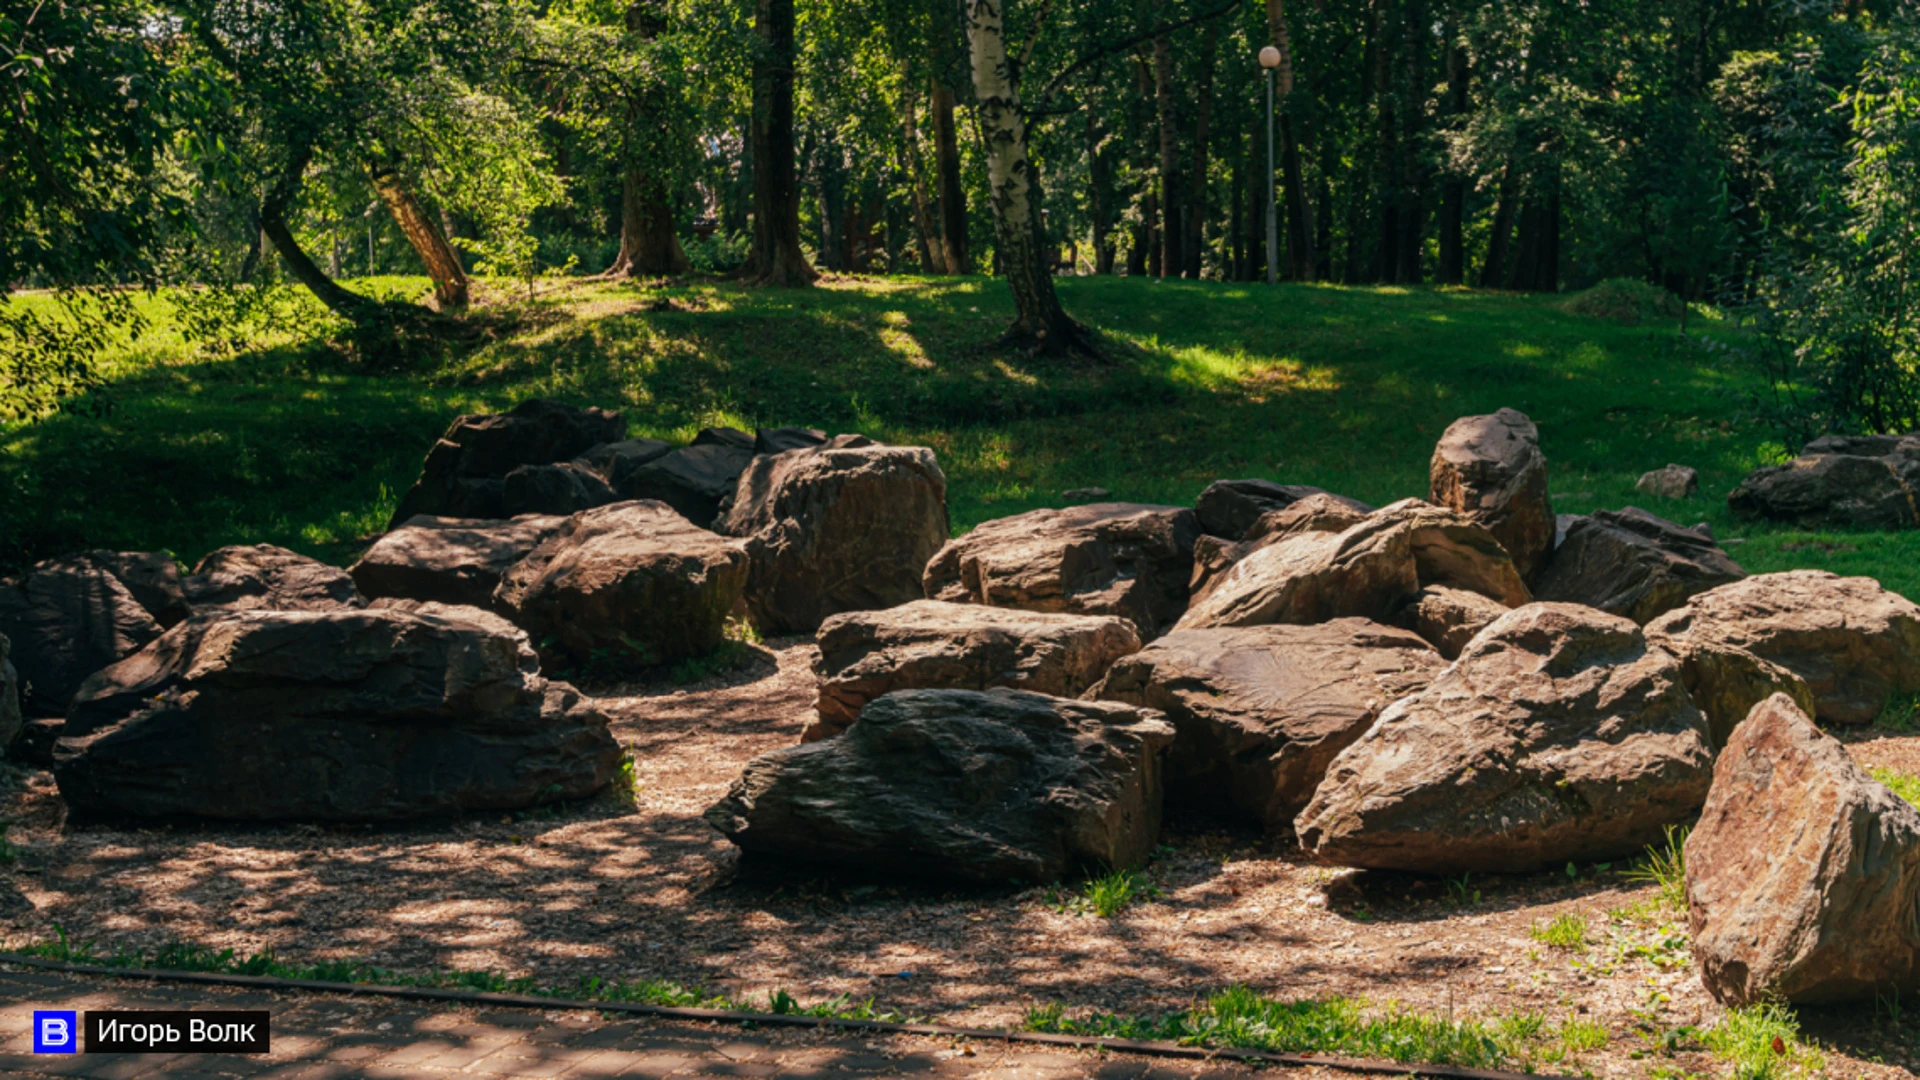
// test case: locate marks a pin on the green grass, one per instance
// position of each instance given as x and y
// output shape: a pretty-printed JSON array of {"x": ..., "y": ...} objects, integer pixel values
[
  {"x": 1346, "y": 388},
  {"x": 1566, "y": 931},
  {"x": 1905, "y": 785},
  {"x": 1665, "y": 865},
  {"x": 1106, "y": 895},
  {"x": 1239, "y": 1017},
  {"x": 1762, "y": 1042}
]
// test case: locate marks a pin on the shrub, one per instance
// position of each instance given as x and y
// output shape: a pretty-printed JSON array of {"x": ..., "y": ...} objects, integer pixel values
[{"x": 1627, "y": 301}]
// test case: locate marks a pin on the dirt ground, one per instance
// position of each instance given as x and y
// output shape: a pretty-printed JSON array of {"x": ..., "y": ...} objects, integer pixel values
[{"x": 653, "y": 892}]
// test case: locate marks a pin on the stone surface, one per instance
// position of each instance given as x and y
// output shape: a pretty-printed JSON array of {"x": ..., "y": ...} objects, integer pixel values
[
  {"x": 615, "y": 462},
  {"x": 265, "y": 577},
  {"x": 1259, "y": 712},
  {"x": 1854, "y": 644},
  {"x": 931, "y": 644},
  {"x": 1213, "y": 556},
  {"x": 463, "y": 473},
  {"x": 349, "y": 715},
  {"x": 1671, "y": 482},
  {"x": 1227, "y": 508},
  {"x": 633, "y": 581},
  {"x": 1447, "y": 618},
  {"x": 1558, "y": 736},
  {"x": 1126, "y": 559},
  {"x": 1631, "y": 563},
  {"x": 1311, "y": 577},
  {"x": 35, "y": 742},
  {"x": 1866, "y": 482},
  {"x": 153, "y": 578},
  {"x": 845, "y": 526},
  {"x": 66, "y": 619},
  {"x": 559, "y": 489},
  {"x": 1452, "y": 548},
  {"x": 1490, "y": 467},
  {"x": 1803, "y": 875},
  {"x": 782, "y": 439},
  {"x": 693, "y": 481},
  {"x": 724, "y": 436},
  {"x": 990, "y": 786},
  {"x": 451, "y": 560}
]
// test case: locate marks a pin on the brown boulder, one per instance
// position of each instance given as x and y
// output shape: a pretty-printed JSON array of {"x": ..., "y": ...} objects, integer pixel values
[
  {"x": 983, "y": 786},
  {"x": 1228, "y": 508},
  {"x": 1633, "y": 564},
  {"x": 463, "y": 473},
  {"x": 1124, "y": 559},
  {"x": 68, "y": 618},
  {"x": 931, "y": 644},
  {"x": 1557, "y": 736},
  {"x": 559, "y": 489},
  {"x": 153, "y": 578},
  {"x": 1451, "y": 548},
  {"x": 845, "y": 526},
  {"x": 1803, "y": 875},
  {"x": 1853, "y": 643},
  {"x": 1672, "y": 482},
  {"x": 724, "y": 436},
  {"x": 1311, "y": 577},
  {"x": 451, "y": 560},
  {"x": 634, "y": 581},
  {"x": 1447, "y": 618},
  {"x": 1213, "y": 556},
  {"x": 1259, "y": 712},
  {"x": 616, "y": 462},
  {"x": 344, "y": 715},
  {"x": 694, "y": 481},
  {"x": 264, "y": 577},
  {"x": 1491, "y": 468}
]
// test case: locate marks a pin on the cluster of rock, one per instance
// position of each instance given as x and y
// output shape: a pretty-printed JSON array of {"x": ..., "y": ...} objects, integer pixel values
[{"x": 1860, "y": 481}]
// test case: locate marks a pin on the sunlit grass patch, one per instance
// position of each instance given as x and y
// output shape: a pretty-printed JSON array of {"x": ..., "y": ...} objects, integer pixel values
[
  {"x": 1565, "y": 931},
  {"x": 1762, "y": 1042},
  {"x": 1905, "y": 785}
]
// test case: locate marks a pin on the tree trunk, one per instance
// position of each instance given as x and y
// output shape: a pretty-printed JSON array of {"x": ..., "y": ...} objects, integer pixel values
[
  {"x": 1493, "y": 270},
  {"x": 338, "y": 299},
  {"x": 649, "y": 246},
  {"x": 1236, "y": 210},
  {"x": 443, "y": 266},
  {"x": 1453, "y": 193},
  {"x": 1039, "y": 320},
  {"x": 1172, "y": 250},
  {"x": 1098, "y": 205},
  {"x": 953, "y": 196},
  {"x": 933, "y": 259},
  {"x": 1299, "y": 265},
  {"x": 776, "y": 258},
  {"x": 1195, "y": 228}
]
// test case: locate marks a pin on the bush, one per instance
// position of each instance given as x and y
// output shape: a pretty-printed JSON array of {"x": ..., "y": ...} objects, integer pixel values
[
  {"x": 1627, "y": 301},
  {"x": 717, "y": 254}
]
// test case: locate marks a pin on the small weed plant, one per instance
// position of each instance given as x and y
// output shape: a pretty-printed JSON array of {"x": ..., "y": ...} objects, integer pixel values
[
  {"x": 1905, "y": 785},
  {"x": 1762, "y": 1042},
  {"x": 1106, "y": 896},
  {"x": 1566, "y": 931},
  {"x": 1665, "y": 865}
]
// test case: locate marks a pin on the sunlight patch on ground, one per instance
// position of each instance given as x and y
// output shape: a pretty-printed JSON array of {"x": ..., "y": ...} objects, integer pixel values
[{"x": 902, "y": 344}]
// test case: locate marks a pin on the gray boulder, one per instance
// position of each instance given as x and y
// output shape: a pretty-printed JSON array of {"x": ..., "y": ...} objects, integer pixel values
[
  {"x": 463, "y": 475},
  {"x": 68, "y": 618},
  {"x": 845, "y": 526},
  {"x": 1867, "y": 482},
  {"x": 1228, "y": 508},
  {"x": 694, "y": 481},
  {"x": 633, "y": 581},
  {"x": 1260, "y": 712},
  {"x": 250, "y": 577},
  {"x": 450, "y": 560},
  {"x": 616, "y": 462},
  {"x": 338, "y": 715},
  {"x": 782, "y": 439},
  {"x": 152, "y": 577},
  {"x": 1558, "y": 736},
  {"x": 559, "y": 489},
  {"x": 930, "y": 644},
  {"x": 1631, "y": 563},
  {"x": 982, "y": 786},
  {"x": 1671, "y": 482},
  {"x": 1491, "y": 469},
  {"x": 724, "y": 436},
  {"x": 1125, "y": 559},
  {"x": 1803, "y": 875}
]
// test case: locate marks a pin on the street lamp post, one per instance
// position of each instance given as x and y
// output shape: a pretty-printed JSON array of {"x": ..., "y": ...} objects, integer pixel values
[{"x": 1270, "y": 59}]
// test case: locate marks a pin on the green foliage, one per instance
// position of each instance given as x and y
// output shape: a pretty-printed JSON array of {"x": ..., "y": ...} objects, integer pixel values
[
  {"x": 717, "y": 254},
  {"x": 1762, "y": 1042},
  {"x": 1899, "y": 715},
  {"x": 1566, "y": 931},
  {"x": 1106, "y": 895},
  {"x": 1905, "y": 785},
  {"x": 50, "y": 352},
  {"x": 1626, "y": 301},
  {"x": 1665, "y": 865}
]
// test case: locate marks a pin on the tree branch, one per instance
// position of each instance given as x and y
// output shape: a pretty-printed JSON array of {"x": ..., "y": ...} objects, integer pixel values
[{"x": 1102, "y": 53}]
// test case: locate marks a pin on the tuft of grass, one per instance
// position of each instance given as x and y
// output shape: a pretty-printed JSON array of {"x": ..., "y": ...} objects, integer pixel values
[
  {"x": 1665, "y": 865},
  {"x": 626, "y": 786},
  {"x": 1905, "y": 785},
  {"x": 1566, "y": 931},
  {"x": 1898, "y": 715},
  {"x": 1762, "y": 1042},
  {"x": 1107, "y": 895}
]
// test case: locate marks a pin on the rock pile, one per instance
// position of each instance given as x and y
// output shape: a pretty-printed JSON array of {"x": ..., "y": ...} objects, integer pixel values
[{"x": 1861, "y": 481}]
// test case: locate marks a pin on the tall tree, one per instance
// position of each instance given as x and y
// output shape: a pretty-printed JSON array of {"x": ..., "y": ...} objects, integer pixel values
[{"x": 776, "y": 258}]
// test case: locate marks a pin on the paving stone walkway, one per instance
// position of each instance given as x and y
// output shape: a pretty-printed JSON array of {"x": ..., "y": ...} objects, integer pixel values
[{"x": 336, "y": 1037}]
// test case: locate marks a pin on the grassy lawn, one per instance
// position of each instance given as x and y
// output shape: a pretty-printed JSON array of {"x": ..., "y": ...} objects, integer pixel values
[{"x": 1346, "y": 388}]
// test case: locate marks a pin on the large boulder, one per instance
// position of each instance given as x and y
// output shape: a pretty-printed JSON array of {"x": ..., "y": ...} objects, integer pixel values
[
  {"x": 1228, "y": 508},
  {"x": 782, "y": 439},
  {"x": 694, "y": 481},
  {"x": 560, "y": 489},
  {"x": 724, "y": 436},
  {"x": 1451, "y": 548},
  {"x": 1558, "y": 736},
  {"x": 451, "y": 560},
  {"x": 1803, "y": 875},
  {"x": 616, "y": 462},
  {"x": 1671, "y": 482},
  {"x": 1631, "y": 563},
  {"x": 464, "y": 474},
  {"x": 845, "y": 526},
  {"x": 1865, "y": 482},
  {"x": 346, "y": 715},
  {"x": 1213, "y": 556},
  {"x": 633, "y": 581},
  {"x": 264, "y": 577},
  {"x": 1125, "y": 559},
  {"x": 931, "y": 644},
  {"x": 1853, "y": 643},
  {"x": 153, "y": 578},
  {"x": 1490, "y": 468},
  {"x": 68, "y": 618},
  {"x": 1260, "y": 712},
  {"x": 1447, "y": 618},
  {"x": 985, "y": 786}
]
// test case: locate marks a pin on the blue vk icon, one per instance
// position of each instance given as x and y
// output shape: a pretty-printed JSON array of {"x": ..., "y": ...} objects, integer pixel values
[{"x": 55, "y": 1032}]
